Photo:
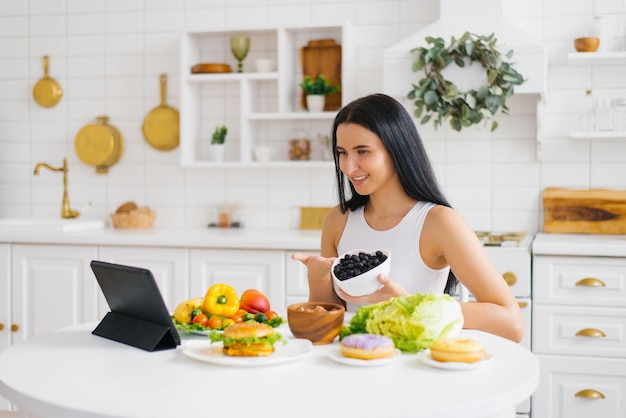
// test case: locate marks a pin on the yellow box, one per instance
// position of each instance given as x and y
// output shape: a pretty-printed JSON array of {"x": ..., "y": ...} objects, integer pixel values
[{"x": 312, "y": 217}]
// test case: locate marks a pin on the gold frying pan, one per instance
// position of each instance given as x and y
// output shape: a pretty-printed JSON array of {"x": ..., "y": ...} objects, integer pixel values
[
  {"x": 47, "y": 92},
  {"x": 160, "y": 126}
]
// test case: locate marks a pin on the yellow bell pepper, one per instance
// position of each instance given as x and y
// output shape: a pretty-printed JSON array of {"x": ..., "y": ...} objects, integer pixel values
[{"x": 221, "y": 299}]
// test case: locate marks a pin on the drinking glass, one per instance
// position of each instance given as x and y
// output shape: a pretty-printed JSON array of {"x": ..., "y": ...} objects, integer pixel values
[{"x": 240, "y": 45}]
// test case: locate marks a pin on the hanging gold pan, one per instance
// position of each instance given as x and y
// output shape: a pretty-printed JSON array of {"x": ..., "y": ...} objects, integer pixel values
[
  {"x": 161, "y": 125},
  {"x": 47, "y": 92}
]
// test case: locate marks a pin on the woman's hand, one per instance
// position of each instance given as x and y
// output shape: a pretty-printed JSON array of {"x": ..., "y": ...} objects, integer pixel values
[
  {"x": 318, "y": 274},
  {"x": 318, "y": 267},
  {"x": 390, "y": 289}
]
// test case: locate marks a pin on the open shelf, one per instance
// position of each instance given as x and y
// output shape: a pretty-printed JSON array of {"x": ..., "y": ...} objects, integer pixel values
[
  {"x": 598, "y": 135},
  {"x": 582, "y": 59},
  {"x": 257, "y": 108}
]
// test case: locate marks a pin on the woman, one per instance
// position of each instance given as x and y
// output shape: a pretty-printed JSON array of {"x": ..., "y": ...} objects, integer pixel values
[{"x": 395, "y": 203}]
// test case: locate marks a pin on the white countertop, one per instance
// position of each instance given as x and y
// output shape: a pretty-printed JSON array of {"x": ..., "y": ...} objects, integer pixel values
[
  {"x": 580, "y": 245},
  {"x": 241, "y": 238}
]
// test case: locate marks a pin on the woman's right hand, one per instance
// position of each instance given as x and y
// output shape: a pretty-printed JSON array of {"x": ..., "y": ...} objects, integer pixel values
[
  {"x": 318, "y": 267},
  {"x": 318, "y": 273}
]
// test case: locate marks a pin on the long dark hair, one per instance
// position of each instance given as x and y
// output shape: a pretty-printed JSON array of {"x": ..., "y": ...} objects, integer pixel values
[{"x": 390, "y": 121}]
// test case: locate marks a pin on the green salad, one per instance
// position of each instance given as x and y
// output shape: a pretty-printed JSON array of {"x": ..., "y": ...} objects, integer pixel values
[{"x": 413, "y": 322}]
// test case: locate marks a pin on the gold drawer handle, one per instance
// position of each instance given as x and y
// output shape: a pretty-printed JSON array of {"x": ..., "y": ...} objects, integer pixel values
[
  {"x": 522, "y": 304},
  {"x": 1, "y": 326},
  {"x": 510, "y": 278},
  {"x": 15, "y": 327},
  {"x": 589, "y": 394},
  {"x": 590, "y": 282},
  {"x": 590, "y": 332}
]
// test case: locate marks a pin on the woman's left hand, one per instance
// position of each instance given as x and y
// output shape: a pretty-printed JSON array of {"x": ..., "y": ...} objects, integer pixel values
[{"x": 390, "y": 289}]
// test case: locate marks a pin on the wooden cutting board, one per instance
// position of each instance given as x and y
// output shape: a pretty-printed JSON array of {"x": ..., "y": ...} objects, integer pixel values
[
  {"x": 322, "y": 57},
  {"x": 590, "y": 211}
]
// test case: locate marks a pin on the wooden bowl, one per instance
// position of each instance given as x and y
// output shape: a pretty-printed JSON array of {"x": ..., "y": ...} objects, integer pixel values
[
  {"x": 210, "y": 67},
  {"x": 587, "y": 44},
  {"x": 318, "y": 322}
]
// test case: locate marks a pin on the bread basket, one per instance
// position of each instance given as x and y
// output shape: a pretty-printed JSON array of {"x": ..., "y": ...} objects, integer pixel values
[{"x": 130, "y": 216}]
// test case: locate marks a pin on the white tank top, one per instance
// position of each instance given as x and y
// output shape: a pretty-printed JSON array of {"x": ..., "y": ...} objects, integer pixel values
[{"x": 407, "y": 267}]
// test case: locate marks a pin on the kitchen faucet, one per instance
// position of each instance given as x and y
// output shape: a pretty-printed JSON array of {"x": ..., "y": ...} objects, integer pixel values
[{"x": 66, "y": 212}]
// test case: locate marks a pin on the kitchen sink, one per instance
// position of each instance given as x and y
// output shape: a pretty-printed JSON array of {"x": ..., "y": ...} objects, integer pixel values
[{"x": 49, "y": 225}]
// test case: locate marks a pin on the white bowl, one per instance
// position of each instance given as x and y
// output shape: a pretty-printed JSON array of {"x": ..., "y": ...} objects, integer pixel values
[
  {"x": 265, "y": 65},
  {"x": 365, "y": 283}
]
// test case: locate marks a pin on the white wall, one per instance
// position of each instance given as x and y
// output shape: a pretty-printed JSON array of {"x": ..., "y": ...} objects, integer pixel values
[{"x": 107, "y": 55}]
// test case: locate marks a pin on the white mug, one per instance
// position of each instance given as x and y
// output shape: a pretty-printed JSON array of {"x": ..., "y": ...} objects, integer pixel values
[
  {"x": 265, "y": 65},
  {"x": 264, "y": 154}
]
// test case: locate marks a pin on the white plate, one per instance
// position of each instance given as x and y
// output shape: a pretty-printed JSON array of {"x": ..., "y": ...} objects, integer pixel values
[
  {"x": 337, "y": 356},
  {"x": 203, "y": 332},
  {"x": 295, "y": 349},
  {"x": 425, "y": 357}
]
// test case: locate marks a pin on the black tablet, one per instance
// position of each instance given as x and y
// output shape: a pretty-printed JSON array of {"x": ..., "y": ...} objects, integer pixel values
[{"x": 138, "y": 315}]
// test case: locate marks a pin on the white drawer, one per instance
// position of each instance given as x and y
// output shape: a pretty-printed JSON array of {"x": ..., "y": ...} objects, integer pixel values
[
  {"x": 570, "y": 281},
  {"x": 562, "y": 378},
  {"x": 515, "y": 266},
  {"x": 555, "y": 327}
]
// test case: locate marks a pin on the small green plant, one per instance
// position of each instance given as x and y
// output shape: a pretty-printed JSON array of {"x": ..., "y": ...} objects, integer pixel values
[
  {"x": 219, "y": 136},
  {"x": 318, "y": 86}
]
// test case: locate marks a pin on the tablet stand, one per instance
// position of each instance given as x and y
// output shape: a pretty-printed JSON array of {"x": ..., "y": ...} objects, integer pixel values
[{"x": 136, "y": 332}]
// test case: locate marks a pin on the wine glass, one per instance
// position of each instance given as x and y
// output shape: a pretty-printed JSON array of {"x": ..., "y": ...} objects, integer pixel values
[{"x": 240, "y": 45}]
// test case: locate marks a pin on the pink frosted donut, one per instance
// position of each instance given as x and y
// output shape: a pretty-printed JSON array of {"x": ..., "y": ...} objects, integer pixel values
[{"x": 366, "y": 346}]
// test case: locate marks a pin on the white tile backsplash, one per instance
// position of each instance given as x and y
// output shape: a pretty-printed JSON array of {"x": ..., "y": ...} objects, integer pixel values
[{"x": 108, "y": 55}]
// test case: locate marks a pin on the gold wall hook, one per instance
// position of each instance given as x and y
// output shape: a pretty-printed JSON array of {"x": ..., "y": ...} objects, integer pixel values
[{"x": 66, "y": 212}]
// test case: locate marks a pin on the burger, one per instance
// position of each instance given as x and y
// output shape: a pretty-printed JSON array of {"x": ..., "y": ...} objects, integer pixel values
[{"x": 247, "y": 339}]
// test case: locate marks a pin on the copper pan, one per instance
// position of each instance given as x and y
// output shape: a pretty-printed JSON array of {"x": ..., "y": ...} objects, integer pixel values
[
  {"x": 161, "y": 125},
  {"x": 47, "y": 92}
]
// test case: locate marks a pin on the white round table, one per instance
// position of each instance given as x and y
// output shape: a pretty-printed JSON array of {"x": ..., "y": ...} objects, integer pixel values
[{"x": 72, "y": 373}]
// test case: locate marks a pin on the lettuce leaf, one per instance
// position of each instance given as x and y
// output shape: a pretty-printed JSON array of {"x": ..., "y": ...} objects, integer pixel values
[{"x": 413, "y": 322}]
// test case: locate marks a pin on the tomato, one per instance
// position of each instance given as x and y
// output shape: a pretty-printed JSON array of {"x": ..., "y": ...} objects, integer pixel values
[
  {"x": 236, "y": 318},
  {"x": 270, "y": 314},
  {"x": 215, "y": 322},
  {"x": 254, "y": 301},
  {"x": 201, "y": 319}
]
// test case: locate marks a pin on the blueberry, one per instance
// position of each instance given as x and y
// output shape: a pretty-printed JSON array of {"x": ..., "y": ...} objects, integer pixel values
[{"x": 355, "y": 264}]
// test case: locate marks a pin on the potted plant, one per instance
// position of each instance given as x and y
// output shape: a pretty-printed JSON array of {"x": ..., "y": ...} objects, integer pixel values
[
  {"x": 437, "y": 98},
  {"x": 217, "y": 143},
  {"x": 316, "y": 92}
]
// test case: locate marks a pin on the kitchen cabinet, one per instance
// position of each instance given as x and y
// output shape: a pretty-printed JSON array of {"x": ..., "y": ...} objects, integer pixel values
[
  {"x": 259, "y": 108},
  {"x": 169, "y": 266},
  {"x": 596, "y": 59},
  {"x": 297, "y": 289},
  {"x": 5, "y": 296},
  {"x": 514, "y": 263},
  {"x": 5, "y": 306},
  {"x": 243, "y": 269},
  {"x": 52, "y": 286},
  {"x": 579, "y": 330}
]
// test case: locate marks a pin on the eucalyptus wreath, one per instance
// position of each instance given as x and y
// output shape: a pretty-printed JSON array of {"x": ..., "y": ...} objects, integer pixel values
[{"x": 437, "y": 98}]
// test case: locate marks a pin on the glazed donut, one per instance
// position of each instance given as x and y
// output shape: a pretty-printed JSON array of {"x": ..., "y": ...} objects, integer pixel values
[
  {"x": 367, "y": 346},
  {"x": 461, "y": 350}
]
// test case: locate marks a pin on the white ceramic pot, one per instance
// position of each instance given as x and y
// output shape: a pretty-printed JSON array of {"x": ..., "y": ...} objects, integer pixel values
[
  {"x": 265, "y": 65},
  {"x": 315, "y": 102},
  {"x": 264, "y": 154},
  {"x": 218, "y": 151}
]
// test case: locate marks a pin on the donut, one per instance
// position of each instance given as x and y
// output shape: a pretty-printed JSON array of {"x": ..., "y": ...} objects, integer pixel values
[
  {"x": 463, "y": 350},
  {"x": 367, "y": 346}
]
